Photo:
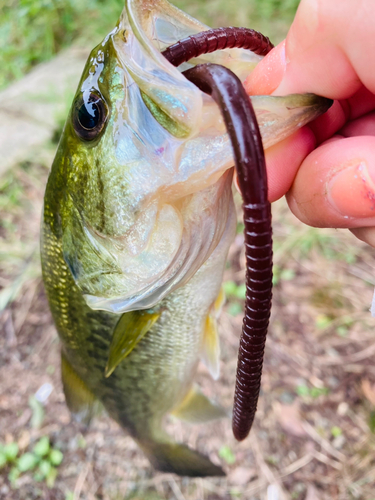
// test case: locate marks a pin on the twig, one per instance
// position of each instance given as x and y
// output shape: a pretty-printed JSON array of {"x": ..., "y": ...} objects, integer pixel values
[
  {"x": 294, "y": 466},
  {"x": 345, "y": 360},
  {"x": 326, "y": 460},
  {"x": 176, "y": 490},
  {"x": 266, "y": 471},
  {"x": 80, "y": 482},
  {"x": 309, "y": 429}
]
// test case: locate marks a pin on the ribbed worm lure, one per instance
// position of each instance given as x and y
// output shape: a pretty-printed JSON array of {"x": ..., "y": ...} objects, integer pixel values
[{"x": 239, "y": 116}]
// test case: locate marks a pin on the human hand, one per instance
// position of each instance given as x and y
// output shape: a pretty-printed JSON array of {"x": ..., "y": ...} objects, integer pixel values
[{"x": 327, "y": 169}]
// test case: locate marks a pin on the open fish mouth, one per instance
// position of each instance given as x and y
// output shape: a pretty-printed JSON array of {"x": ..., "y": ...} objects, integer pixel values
[{"x": 176, "y": 148}]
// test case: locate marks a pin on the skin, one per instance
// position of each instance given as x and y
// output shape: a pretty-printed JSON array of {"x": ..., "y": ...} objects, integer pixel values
[{"x": 327, "y": 169}]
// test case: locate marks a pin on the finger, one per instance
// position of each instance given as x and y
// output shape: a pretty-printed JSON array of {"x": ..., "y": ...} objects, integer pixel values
[
  {"x": 330, "y": 122},
  {"x": 341, "y": 112},
  {"x": 366, "y": 234},
  {"x": 361, "y": 103},
  {"x": 329, "y": 50},
  {"x": 284, "y": 159},
  {"x": 362, "y": 126},
  {"x": 335, "y": 185},
  {"x": 267, "y": 75}
]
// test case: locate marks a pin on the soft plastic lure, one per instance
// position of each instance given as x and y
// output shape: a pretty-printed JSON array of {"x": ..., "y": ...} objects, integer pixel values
[{"x": 239, "y": 116}]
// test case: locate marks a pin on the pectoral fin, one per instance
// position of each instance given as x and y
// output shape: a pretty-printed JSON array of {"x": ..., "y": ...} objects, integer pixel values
[
  {"x": 197, "y": 408},
  {"x": 219, "y": 302},
  {"x": 130, "y": 329},
  {"x": 79, "y": 399},
  {"x": 210, "y": 354}
]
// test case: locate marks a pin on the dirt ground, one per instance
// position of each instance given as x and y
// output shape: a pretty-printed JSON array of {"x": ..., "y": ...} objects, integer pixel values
[{"x": 313, "y": 436}]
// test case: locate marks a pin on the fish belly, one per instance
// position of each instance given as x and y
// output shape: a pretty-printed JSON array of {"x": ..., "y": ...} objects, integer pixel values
[{"x": 154, "y": 378}]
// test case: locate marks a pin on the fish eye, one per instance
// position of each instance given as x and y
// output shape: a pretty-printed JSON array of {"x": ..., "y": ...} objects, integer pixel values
[{"x": 89, "y": 116}]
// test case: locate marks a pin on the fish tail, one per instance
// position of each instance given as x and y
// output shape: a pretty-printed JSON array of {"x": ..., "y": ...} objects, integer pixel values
[{"x": 180, "y": 459}]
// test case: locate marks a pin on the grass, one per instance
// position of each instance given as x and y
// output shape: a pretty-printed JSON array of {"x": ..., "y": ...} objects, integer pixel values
[
  {"x": 33, "y": 31},
  {"x": 42, "y": 461}
]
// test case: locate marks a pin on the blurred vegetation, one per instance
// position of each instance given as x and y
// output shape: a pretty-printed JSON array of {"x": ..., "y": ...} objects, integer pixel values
[
  {"x": 42, "y": 461},
  {"x": 32, "y": 31}
]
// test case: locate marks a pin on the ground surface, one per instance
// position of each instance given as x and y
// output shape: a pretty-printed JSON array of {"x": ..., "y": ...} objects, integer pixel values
[{"x": 313, "y": 436}]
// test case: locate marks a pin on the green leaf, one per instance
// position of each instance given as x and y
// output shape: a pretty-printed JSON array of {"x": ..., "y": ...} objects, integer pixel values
[
  {"x": 226, "y": 454},
  {"x": 13, "y": 475},
  {"x": 56, "y": 457},
  {"x": 38, "y": 476},
  {"x": 38, "y": 413},
  {"x": 372, "y": 422},
  {"x": 234, "y": 309},
  {"x": 315, "y": 392},
  {"x": 241, "y": 291},
  {"x": 342, "y": 330},
  {"x": 27, "y": 462},
  {"x": 51, "y": 477},
  {"x": 230, "y": 288},
  {"x": 42, "y": 447},
  {"x": 287, "y": 274},
  {"x": 336, "y": 431},
  {"x": 3, "y": 460},
  {"x": 322, "y": 321},
  {"x": 240, "y": 227},
  {"x": 275, "y": 275},
  {"x": 10, "y": 450},
  {"x": 302, "y": 390},
  {"x": 45, "y": 467}
]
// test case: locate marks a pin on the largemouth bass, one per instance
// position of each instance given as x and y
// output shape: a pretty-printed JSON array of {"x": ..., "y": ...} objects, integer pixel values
[{"x": 138, "y": 220}]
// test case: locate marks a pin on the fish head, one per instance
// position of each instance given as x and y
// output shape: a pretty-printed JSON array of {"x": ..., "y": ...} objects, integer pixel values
[{"x": 143, "y": 169}]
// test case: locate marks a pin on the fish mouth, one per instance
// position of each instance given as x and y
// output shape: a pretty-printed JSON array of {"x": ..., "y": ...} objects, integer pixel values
[{"x": 150, "y": 28}]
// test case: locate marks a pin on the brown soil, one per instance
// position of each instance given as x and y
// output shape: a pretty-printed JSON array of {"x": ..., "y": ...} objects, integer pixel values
[{"x": 312, "y": 437}]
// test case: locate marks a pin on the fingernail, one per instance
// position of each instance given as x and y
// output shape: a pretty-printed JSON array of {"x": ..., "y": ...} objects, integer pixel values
[
  {"x": 351, "y": 191},
  {"x": 268, "y": 74}
]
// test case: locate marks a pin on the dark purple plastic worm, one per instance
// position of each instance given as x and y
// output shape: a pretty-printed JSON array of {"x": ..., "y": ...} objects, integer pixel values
[
  {"x": 217, "y": 39},
  {"x": 228, "y": 92}
]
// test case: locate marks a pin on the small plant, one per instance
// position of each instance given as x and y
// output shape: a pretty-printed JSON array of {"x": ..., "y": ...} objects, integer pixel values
[
  {"x": 282, "y": 274},
  {"x": 312, "y": 392},
  {"x": 227, "y": 454},
  {"x": 235, "y": 295},
  {"x": 336, "y": 431},
  {"x": 43, "y": 460}
]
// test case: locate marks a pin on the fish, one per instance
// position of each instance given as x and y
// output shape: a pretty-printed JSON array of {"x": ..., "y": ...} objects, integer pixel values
[{"x": 137, "y": 222}]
